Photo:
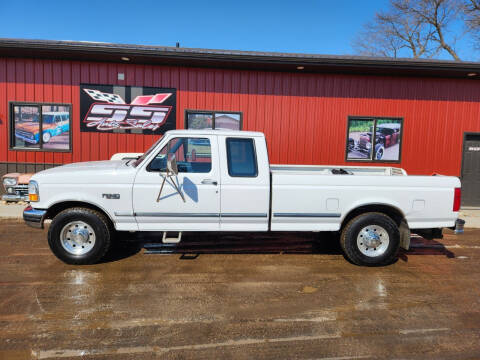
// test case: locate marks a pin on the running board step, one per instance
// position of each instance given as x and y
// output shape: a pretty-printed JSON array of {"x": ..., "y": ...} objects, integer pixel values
[{"x": 171, "y": 240}]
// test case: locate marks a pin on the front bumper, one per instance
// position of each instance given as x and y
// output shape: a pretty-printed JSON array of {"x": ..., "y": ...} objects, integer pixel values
[
  {"x": 14, "y": 197},
  {"x": 26, "y": 138},
  {"x": 34, "y": 217}
]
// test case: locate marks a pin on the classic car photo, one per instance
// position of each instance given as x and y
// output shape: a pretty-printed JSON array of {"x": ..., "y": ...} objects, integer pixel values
[
  {"x": 54, "y": 124},
  {"x": 363, "y": 147},
  {"x": 388, "y": 134},
  {"x": 387, "y": 140}
]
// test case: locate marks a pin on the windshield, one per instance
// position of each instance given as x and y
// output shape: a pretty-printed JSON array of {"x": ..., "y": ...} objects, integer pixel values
[{"x": 145, "y": 154}]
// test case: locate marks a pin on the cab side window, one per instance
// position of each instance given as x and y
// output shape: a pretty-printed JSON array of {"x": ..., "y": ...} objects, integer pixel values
[
  {"x": 241, "y": 158},
  {"x": 193, "y": 155}
]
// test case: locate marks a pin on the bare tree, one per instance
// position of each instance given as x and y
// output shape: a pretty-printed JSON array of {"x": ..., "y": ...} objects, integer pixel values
[
  {"x": 438, "y": 14},
  {"x": 376, "y": 40},
  {"x": 393, "y": 31},
  {"x": 416, "y": 28},
  {"x": 471, "y": 11}
]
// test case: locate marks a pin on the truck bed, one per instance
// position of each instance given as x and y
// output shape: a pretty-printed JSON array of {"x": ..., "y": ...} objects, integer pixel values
[{"x": 316, "y": 198}]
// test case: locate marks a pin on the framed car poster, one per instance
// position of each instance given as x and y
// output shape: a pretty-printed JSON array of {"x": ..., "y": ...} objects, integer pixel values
[
  {"x": 40, "y": 126},
  {"x": 374, "y": 139}
]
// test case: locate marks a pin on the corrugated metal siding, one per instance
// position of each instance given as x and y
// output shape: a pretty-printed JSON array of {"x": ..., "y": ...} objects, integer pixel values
[{"x": 303, "y": 115}]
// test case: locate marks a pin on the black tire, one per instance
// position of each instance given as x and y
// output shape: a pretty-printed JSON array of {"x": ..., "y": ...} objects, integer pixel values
[
  {"x": 96, "y": 220},
  {"x": 351, "y": 144},
  {"x": 348, "y": 239},
  {"x": 379, "y": 151}
]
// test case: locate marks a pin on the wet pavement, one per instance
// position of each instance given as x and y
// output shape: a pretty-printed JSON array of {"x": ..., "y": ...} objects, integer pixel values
[{"x": 234, "y": 296}]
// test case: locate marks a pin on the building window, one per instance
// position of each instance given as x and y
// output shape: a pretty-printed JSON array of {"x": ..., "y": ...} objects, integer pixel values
[
  {"x": 374, "y": 139},
  {"x": 40, "y": 126},
  {"x": 241, "y": 159},
  {"x": 195, "y": 119}
]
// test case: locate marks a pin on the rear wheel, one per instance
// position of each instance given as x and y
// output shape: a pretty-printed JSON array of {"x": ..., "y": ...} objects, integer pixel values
[
  {"x": 79, "y": 236},
  {"x": 371, "y": 239}
]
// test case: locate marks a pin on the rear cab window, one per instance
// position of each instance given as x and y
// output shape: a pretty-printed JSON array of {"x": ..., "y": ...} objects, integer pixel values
[{"x": 241, "y": 157}]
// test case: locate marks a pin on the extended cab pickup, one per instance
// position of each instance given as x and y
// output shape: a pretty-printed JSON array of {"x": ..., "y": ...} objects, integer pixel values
[{"x": 215, "y": 180}]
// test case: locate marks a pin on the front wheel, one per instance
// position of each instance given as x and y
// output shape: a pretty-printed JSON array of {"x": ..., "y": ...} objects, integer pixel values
[
  {"x": 46, "y": 137},
  {"x": 79, "y": 236},
  {"x": 371, "y": 239}
]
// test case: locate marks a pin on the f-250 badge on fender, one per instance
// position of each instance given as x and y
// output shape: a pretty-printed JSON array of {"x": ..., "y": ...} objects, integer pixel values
[{"x": 111, "y": 196}]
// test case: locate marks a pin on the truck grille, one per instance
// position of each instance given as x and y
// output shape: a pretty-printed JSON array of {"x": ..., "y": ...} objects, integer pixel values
[
  {"x": 21, "y": 189},
  {"x": 24, "y": 133}
]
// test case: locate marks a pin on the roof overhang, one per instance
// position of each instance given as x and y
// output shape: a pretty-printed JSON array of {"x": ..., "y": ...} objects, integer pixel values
[{"x": 235, "y": 59}]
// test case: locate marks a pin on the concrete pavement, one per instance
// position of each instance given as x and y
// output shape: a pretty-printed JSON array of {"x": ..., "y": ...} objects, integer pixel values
[
  {"x": 11, "y": 210},
  {"x": 471, "y": 217}
]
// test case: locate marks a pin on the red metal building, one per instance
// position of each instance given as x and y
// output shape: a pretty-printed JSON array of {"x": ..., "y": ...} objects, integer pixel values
[{"x": 314, "y": 109}]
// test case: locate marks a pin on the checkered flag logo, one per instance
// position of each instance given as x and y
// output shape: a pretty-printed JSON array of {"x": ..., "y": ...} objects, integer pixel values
[{"x": 105, "y": 97}]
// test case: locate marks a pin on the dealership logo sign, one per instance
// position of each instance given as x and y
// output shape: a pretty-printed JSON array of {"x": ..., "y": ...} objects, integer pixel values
[{"x": 109, "y": 111}]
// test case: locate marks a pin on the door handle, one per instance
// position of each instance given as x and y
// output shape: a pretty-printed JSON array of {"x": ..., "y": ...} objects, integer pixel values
[{"x": 209, "y": 182}]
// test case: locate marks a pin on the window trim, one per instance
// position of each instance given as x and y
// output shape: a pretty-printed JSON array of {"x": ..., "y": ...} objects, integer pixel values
[
  {"x": 254, "y": 157},
  {"x": 149, "y": 169},
  {"x": 11, "y": 126},
  {"x": 213, "y": 113},
  {"x": 375, "y": 118}
]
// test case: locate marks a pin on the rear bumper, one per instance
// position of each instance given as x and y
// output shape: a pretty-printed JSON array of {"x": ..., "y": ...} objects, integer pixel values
[{"x": 34, "y": 217}]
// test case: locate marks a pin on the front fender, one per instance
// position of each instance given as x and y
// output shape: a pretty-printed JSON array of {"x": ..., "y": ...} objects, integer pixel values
[{"x": 51, "y": 196}]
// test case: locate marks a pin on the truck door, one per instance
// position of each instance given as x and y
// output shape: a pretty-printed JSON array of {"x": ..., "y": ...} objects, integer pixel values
[
  {"x": 197, "y": 180},
  {"x": 245, "y": 177}
]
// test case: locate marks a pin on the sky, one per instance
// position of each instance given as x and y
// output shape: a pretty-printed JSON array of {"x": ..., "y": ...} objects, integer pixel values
[{"x": 319, "y": 27}]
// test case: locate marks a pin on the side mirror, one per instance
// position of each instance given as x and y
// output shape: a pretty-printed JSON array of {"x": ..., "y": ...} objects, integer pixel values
[
  {"x": 172, "y": 169},
  {"x": 172, "y": 164}
]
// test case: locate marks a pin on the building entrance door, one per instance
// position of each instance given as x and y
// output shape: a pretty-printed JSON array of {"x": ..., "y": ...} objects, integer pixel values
[{"x": 471, "y": 170}]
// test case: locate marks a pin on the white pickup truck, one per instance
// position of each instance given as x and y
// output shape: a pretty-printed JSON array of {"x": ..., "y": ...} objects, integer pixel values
[{"x": 215, "y": 180}]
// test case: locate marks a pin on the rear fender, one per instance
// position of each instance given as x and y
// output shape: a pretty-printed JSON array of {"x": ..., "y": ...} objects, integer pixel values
[{"x": 404, "y": 235}]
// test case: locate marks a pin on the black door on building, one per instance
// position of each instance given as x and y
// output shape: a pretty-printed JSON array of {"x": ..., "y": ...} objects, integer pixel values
[{"x": 471, "y": 170}]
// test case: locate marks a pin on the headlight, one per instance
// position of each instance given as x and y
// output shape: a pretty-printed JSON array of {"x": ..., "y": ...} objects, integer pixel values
[
  {"x": 8, "y": 181},
  {"x": 368, "y": 145},
  {"x": 33, "y": 193}
]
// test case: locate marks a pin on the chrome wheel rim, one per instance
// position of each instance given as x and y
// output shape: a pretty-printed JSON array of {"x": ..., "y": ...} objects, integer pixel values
[
  {"x": 373, "y": 240},
  {"x": 77, "y": 238},
  {"x": 379, "y": 154}
]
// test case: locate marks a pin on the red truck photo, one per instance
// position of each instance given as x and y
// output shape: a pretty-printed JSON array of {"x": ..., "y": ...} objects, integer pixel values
[{"x": 388, "y": 134}]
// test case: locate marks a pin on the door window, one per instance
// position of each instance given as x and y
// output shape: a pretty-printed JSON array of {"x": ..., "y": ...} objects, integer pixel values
[
  {"x": 241, "y": 158},
  {"x": 193, "y": 155}
]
